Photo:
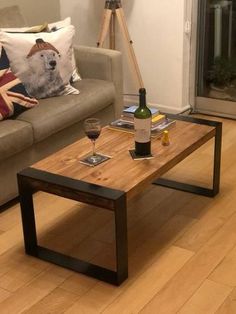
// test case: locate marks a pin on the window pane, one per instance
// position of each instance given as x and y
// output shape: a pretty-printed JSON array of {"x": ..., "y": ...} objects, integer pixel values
[{"x": 217, "y": 50}]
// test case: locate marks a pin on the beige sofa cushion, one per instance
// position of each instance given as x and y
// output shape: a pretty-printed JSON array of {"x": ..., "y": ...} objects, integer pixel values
[
  {"x": 15, "y": 136},
  {"x": 11, "y": 17},
  {"x": 56, "y": 113}
]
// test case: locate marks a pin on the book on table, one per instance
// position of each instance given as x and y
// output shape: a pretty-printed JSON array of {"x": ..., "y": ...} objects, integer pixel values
[
  {"x": 129, "y": 112},
  {"x": 156, "y": 119},
  {"x": 126, "y": 122},
  {"x": 128, "y": 115}
]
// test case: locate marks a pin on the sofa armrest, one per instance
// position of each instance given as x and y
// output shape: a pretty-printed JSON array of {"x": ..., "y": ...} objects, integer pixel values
[{"x": 103, "y": 64}]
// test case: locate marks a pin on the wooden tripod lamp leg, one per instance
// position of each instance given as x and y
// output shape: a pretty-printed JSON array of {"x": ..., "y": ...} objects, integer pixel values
[
  {"x": 112, "y": 31},
  {"x": 121, "y": 20},
  {"x": 104, "y": 27}
]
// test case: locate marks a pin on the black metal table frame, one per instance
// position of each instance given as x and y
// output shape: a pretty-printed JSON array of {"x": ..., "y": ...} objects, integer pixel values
[
  {"x": 31, "y": 180},
  {"x": 211, "y": 192}
]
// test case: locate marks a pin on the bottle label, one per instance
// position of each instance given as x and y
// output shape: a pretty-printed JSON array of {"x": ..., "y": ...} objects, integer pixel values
[{"x": 142, "y": 132}]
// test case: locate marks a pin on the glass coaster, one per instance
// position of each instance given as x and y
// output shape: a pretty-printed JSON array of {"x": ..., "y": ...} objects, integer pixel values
[
  {"x": 94, "y": 160},
  {"x": 138, "y": 157}
]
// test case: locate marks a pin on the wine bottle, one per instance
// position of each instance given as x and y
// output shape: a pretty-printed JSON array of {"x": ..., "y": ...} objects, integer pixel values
[{"x": 142, "y": 126}]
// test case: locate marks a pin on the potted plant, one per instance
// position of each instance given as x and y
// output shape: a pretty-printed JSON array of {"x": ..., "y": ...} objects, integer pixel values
[{"x": 222, "y": 73}]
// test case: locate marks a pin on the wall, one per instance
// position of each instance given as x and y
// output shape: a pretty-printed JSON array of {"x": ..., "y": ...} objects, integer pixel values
[
  {"x": 162, "y": 49},
  {"x": 36, "y": 12}
]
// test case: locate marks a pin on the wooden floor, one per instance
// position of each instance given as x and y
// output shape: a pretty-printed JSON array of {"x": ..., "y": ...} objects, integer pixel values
[{"x": 182, "y": 249}]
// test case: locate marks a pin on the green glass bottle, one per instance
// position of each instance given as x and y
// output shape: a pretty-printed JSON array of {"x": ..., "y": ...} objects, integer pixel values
[{"x": 142, "y": 126}]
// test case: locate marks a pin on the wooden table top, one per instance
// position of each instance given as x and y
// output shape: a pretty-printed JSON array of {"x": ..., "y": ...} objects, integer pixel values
[{"x": 121, "y": 172}]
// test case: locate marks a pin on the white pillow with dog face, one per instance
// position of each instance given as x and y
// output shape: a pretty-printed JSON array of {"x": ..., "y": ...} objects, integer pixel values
[{"x": 42, "y": 61}]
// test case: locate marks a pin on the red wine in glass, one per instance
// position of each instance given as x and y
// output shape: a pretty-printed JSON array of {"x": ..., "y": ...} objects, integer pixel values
[
  {"x": 92, "y": 134},
  {"x": 92, "y": 128}
]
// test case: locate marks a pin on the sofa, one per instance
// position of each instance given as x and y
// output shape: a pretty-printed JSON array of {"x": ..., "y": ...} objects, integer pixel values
[{"x": 57, "y": 121}]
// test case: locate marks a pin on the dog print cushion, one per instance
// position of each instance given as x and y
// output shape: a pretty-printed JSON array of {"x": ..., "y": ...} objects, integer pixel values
[
  {"x": 42, "y": 61},
  {"x": 52, "y": 27},
  {"x": 14, "y": 99},
  {"x": 48, "y": 27}
]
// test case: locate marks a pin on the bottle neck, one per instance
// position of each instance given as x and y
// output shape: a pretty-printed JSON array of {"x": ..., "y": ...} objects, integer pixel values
[{"x": 142, "y": 98}]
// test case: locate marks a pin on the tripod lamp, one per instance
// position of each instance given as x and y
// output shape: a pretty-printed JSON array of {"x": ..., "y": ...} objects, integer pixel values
[{"x": 113, "y": 8}]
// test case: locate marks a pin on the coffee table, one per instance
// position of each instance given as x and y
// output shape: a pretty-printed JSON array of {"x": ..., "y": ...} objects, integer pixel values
[{"x": 110, "y": 184}]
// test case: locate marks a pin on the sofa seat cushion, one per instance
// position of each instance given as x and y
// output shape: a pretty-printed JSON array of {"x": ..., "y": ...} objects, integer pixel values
[
  {"x": 57, "y": 113},
  {"x": 15, "y": 136}
]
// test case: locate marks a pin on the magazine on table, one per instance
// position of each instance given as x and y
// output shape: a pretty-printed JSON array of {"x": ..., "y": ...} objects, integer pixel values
[{"x": 129, "y": 127}]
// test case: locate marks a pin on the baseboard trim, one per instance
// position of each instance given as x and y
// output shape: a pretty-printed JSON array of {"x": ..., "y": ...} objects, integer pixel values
[
  {"x": 216, "y": 107},
  {"x": 9, "y": 204}
]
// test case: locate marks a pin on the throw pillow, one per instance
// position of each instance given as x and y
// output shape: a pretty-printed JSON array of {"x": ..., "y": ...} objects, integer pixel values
[
  {"x": 49, "y": 27},
  {"x": 42, "y": 61},
  {"x": 14, "y": 99},
  {"x": 52, "y": 27},
  {"x": 59, "y": 24}
]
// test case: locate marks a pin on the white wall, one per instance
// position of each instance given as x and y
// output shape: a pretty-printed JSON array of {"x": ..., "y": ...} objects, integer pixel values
[{"x": 162, "y": 49}]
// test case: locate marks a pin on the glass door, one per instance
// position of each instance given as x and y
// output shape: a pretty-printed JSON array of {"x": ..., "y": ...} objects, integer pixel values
[{"x": 216, "y": 58}]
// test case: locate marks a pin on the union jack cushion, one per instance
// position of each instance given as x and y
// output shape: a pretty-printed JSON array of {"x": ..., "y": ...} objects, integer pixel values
[{"x": 14, "y": 98}]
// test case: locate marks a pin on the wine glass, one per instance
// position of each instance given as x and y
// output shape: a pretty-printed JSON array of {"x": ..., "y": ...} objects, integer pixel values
[{"x": 92, "y": 128}]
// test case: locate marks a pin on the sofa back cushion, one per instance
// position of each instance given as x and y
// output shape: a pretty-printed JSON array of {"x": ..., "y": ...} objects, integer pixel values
[{"x": 11, "y": 17}]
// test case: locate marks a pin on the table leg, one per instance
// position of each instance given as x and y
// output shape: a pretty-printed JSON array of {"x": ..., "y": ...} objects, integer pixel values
[
  {"x": 211, "y": 192},
  {"x": 121, "y": 240},
  {"x": 31, "y": 180}
]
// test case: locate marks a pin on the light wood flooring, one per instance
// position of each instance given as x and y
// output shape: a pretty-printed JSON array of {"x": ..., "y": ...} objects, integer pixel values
[{"x": 182, "y": 249}]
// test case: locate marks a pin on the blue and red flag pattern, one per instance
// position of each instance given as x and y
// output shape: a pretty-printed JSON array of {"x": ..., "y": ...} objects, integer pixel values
[{"x": 14, "y": 98}]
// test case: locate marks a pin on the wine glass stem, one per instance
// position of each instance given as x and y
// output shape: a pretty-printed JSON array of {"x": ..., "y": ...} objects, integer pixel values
[{"x": 94, "y": 151}]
